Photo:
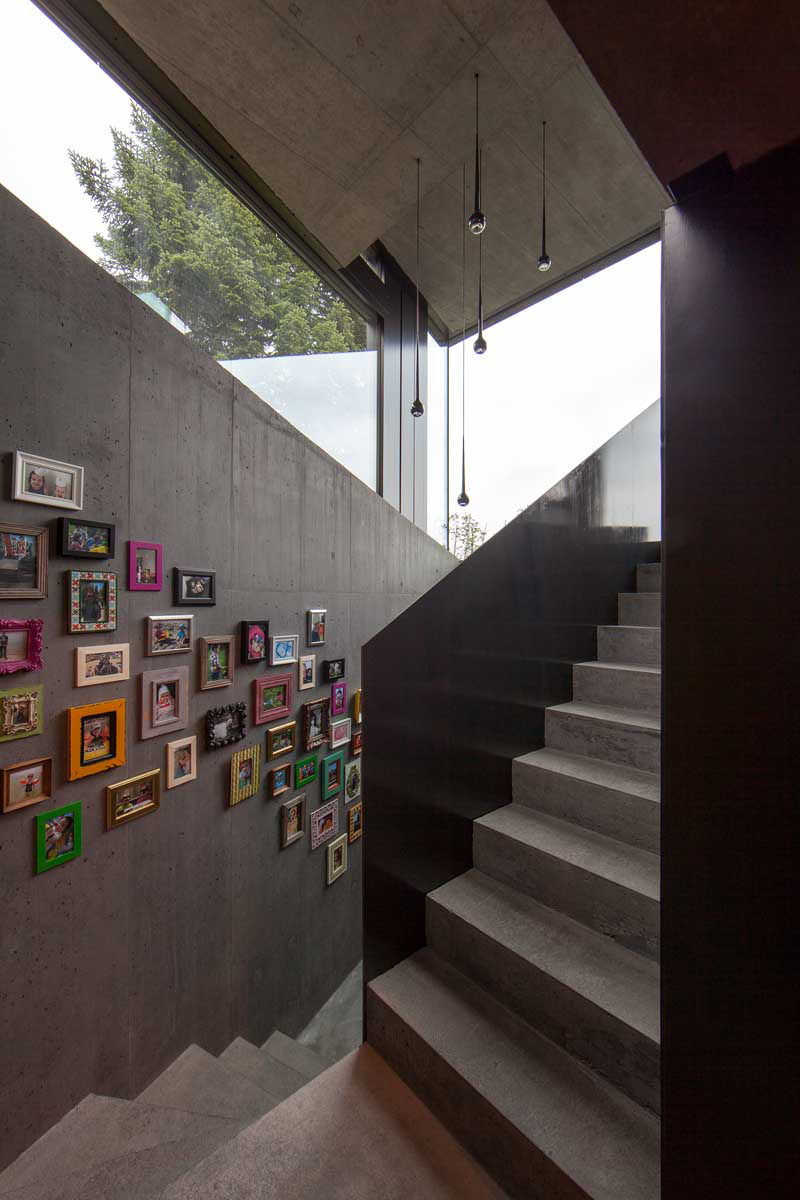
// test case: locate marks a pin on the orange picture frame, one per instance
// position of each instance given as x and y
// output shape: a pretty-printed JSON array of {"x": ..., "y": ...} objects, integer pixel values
[{"x": 95, "y": 737}]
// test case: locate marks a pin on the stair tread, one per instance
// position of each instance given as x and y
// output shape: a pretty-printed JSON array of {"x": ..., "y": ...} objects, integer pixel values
[
  {"x": 257, "y": 1065},
  {"x": 623, "y": 717},
  {"x": 198, "y": 1082},
  {"x": 606, "y": 665},
  {"x": 616, "y": 776},
  {"x": 619, "y": 863},
  {"x": 301, "y": 1058},
  {"x": 604, "y": 1142},
  {"x": 636, "y": 628}
]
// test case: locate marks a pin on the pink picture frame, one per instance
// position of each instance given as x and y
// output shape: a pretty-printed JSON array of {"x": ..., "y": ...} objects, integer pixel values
[
  {"x": 29, "y": 659},
  {"x": 338, "y": 698},
  {"x": 141, "y": 578},
  {"x": 275, "y": 691}
]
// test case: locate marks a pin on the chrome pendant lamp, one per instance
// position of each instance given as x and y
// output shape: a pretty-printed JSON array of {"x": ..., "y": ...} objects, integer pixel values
[
  {"x": 477, "y": 222},
  {"x": 479, "y": 345},
  {"x": 545, "y": 262},
  {"x": 417, "y": 408},
  {"x": 463, "y": 498}
]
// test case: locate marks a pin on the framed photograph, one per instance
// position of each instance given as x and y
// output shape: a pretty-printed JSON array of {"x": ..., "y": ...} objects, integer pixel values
[
  {"x": 357, "y": 706},
  {"x": 216, "y": 661},
  {"x": 194, "y": 587},
  {"x": 355, "y": 746},
  {"x": 169, "y": 634},
  {"x": 337, "y": 858},
  {"x": 338, "y": 699},
  {"x": 96, "y": 736},
  {"x": 317, "y": 620},
  {"x": 355, "y": 822},
  {"x": 23, "y": 562},
  {"x": 58, "y": 836},
  {"x": 282, "y": 739},
  {"x": 316, "y": 720},
  {"x": 27, "y": 783},
  {"x": 225, "y": 725},
  {"x": 341, "y": 732},
  {"x": 324, "y": 823},
  {"x": 352, "y": 782},
  {"x": 307, "y": 672},
  {"x": 272, "y": 698},
  {"x": 132, "y": 798},
  {"x": 91, "y": 601},
  {"x": 165, "y": 701},
  {"x": 293, "y": 820},
  {"x": 181, "y": 761},
  {"x": 254, "y": 641},
  {"x": 85, "y": 539},
  {"x": 102, "y": 664},
  {"x": 332, "y": 774},
  {"x": 46, "y": 481},
  {"x": 283, "y": 648},
  {"x": 305, "y": 771},
  {"x": 145, "y": 566},
  {"x": 245, "y": 774},
  {"x": 279, "y": 780},
  {"x": 20, "y": 645},
  {"x": 20, "y": 713},
  {"x": 332, "y": 670}
]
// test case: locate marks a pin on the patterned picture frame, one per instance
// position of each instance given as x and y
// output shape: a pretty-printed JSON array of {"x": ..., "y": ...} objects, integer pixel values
[
  {"x": 78, "y": 603},
  {"x": 245, "y": 774},
  {"x": 324, "y": 823},
  {"x": 355, "y": 822}
]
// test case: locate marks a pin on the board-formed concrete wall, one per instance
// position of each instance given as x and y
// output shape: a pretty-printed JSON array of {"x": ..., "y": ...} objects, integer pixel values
[{"x": 189, "y": 925}]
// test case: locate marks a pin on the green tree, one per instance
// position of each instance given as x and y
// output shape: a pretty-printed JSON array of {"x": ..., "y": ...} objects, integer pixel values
[
  {"x": 466, "y": 535},
  {"x": 173, "y": 229}
]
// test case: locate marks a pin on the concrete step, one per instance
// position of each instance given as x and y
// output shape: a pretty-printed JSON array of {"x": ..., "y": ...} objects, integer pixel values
[
  {"x": 274, "y": 1077},
  {"x": 303, "y": 1059},
  {"x": 608, "y": 885},
  {"x": 620, "y": 802},
  {"x": 538, "y": 1120},
  {"x": 629, "y": 644},
  {"x": 648, "y": 577},
  {"x": 615, "y": 735},
  {"x": 620, "y": 685},
  {"x": 197, "y": 1082},
  {"x": 356, "y": 1132},
  {"x": 582, "y": 990},
  {"x": 639, "y": 608}
]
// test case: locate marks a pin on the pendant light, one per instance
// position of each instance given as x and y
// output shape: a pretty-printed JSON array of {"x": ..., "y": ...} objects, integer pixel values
[
  {"x": 477, "y": 222},
  {"x": 479, "y": 345},
  {"x": 545, "y": 262},
  {"x": 463, "y": 499},
  {"x": 416, "y": 408}
]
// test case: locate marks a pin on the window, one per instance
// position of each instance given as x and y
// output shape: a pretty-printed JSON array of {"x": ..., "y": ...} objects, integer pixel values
[{"x": 436, "y": 416}]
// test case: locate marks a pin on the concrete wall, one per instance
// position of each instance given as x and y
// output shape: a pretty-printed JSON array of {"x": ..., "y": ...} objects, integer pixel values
[{"x": 189, "y": 925}]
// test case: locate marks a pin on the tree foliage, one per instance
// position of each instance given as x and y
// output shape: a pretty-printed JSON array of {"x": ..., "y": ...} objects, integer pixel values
[
  {"x": 466, "y": 535},
  {"x": 174, "y": 229}
]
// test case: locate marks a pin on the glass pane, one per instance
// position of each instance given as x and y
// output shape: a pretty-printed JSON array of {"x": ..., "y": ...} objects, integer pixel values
[{"x": 436, "y": 416}]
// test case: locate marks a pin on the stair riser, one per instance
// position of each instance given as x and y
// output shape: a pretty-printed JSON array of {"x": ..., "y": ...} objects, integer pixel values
[
  {"x": 618, "y": 815},
  {"x": 629, "y": 644},
  {"x": 639, "y": 608},
  {"x": 514, "y": 1162},
  {"x": 633, "y": 747},
  {"x": 618, "y": 688},
  {"x": 648, "y": 577},
  {"x": 623, "y": 1055},
  {"x": 628, "y": 916}
]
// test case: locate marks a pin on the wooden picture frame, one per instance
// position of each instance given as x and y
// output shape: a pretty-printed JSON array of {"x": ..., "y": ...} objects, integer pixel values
[
  {"x": 59, "y": 836},
  {"x": 172, "y": 633},
  {"x": 336, "y": 858},
  {"x": 109, "y": 663},
  {"x": 23, "y": 638},
  {"x": 23, "y": 575},
  {"x": 216, "y": 661},
  {"x": 306, "y": 672},
  {"x": 274, "y": 690},
  {"x": 253, "y": 642},
  {"x": 355, "y": 822},
  {"x": 81, "y": 538},
  {"x": 245, "y": 774},
  {"x": 316, "y": 722},
  {"x": 181, "y": 761},
  {"x": 352, "y": 781},
  {"x": 26, "y": 783},
  {"x": 282, "y": 739},
  {"x": 86, "y": 611},
  {"x": 279, "y": 780},
  {"x": 142, "y": 577},
  {"x": 20, "y": 713},
  {"x": 165, "y": 701},
  {"x": 305, "y": 771},
  {"x": 324, "y": 823},
  {"x": 40, "y": 480},
  {"x": 225, "y": 725},
  {"x": 293, "y": 820},
  {"x": 317, "y": 629},
  {"x": 333, "y": 669},
  {"x": 96, "y": 737},
  {"x": 194, "y": 586},
  {"x": 133, "y": 798},
  {"x": 331, "y": 772}
]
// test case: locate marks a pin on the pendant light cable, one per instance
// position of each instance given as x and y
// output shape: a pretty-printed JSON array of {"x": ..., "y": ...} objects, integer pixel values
[
  {"x": 463, "y": 499},
  {"x": 545, "y": 262},
  {"x": 479, "y": 345},
  {"x": 416, "y": 408},
  {"x": 477, "y": 222}
]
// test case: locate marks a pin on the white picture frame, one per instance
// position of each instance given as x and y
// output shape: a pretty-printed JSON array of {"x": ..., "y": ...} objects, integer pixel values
[
  {"x": 283, "y": 648},
  {"x": 317, "y": 617},
  {"x": 340, "y": 732},
  {"x": 307, "y": 663},
  {"x": 92, "y": 659},
  {"x": 54, "y": 476}
]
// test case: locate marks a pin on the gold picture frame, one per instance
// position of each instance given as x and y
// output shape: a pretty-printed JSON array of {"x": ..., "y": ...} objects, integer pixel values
[
  {"x": 133, "y": 798},
  {"x": 282, "y": 739}
]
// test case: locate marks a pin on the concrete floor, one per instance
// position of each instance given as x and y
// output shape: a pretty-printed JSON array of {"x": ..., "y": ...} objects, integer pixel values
[{"x": 337, "y": 1029}]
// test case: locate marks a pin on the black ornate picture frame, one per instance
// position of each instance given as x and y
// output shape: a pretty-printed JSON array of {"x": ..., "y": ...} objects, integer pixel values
[{"x": 225, "y": 725}]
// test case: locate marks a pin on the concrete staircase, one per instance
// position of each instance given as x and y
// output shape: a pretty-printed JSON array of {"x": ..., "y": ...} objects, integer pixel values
[{"x": 530, "y": 1022}]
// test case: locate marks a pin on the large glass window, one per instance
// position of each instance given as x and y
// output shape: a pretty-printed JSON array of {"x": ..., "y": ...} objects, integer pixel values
[
  {"x": 437, "y": 417},
  {"x": 123, "y": 189}
]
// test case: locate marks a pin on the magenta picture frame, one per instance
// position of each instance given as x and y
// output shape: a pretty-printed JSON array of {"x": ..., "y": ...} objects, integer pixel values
[
  {"x": 33, "y": 650},
  {"x": 338, "y": 698},
  {"x": 153, "y": 585}
]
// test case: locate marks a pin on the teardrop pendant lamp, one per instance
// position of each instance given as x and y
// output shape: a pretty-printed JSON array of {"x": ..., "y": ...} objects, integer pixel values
[
  {"x": 463, "y": 498},
  {"x": 417, "y": 408},
  {"x": 477, "y": 222},
  {"x": 479, "y": 345},
  {"x": 545, "y": 262}
]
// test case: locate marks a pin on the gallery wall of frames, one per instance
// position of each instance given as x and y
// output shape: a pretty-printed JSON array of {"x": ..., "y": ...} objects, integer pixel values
[{"x": 185, "y": 586}]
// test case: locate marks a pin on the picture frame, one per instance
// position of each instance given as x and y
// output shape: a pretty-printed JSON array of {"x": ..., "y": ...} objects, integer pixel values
[
  {"x": 59, "y": 836},
  {"x": 245, "y": 774},
  {"x": 272, "y": 698},
  {"x": 40, "y": 480},
  {"x": 355, "y": 822},
  {"x": 95, "y": 737},
  {"x": 341, "y": 732},
  {"x": 133, "y": 798},
  {"x": 20, "y": 713},
  {"x": 26, "y": 783},
  {"x": 331, "y": 770},
  {"x": 356, "y": 743},
  {"x": 338, "y": 698},
  {"x": 324, "y": 823},
  {"x": 293, "y": 821},
  {"x": 254, "y": 641},
  {"x": 352, "y": 781},
  {"x": 316, "y": 722},
  {"x": 181, "y": 761},
  {"x": 216, "y": 661},
  {"x": 109, "y": 663},
  {"x": 282, "y": 739},
  {"x": 357, "y": 707},
  {"x": 332, "y": 670},
  {"x": 172, "y": 633},
  {"x": 197, "y": 586},
  {"x": 305, "y": 771},
  {"x": 283, "y": 649},
  {"x": 279, "y": 780},
  {"x": 165, "y": 701},
  {"x": 145, "y": 566},
  {"x": 317, "y": 626},
  {"x": 80, "y": 538},
  {"x": 23, "y": 561},
  {"x": 20, "y": 645},
  {"x": 225, "y": 725},
  {"x": 306, "y": 672},
  {"x": 91, "y": 601},
  {"x": 336, "y": 858}
]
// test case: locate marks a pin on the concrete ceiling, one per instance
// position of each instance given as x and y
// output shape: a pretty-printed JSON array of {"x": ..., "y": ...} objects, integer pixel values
[{"x": 331, "y": 103}]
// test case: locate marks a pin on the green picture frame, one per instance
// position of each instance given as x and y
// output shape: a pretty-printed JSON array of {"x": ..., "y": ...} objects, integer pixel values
[
  {"x": 332, "y": 774},
  {"x": 48, "y": 834},
  {"x": 305, "y": 771}
]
